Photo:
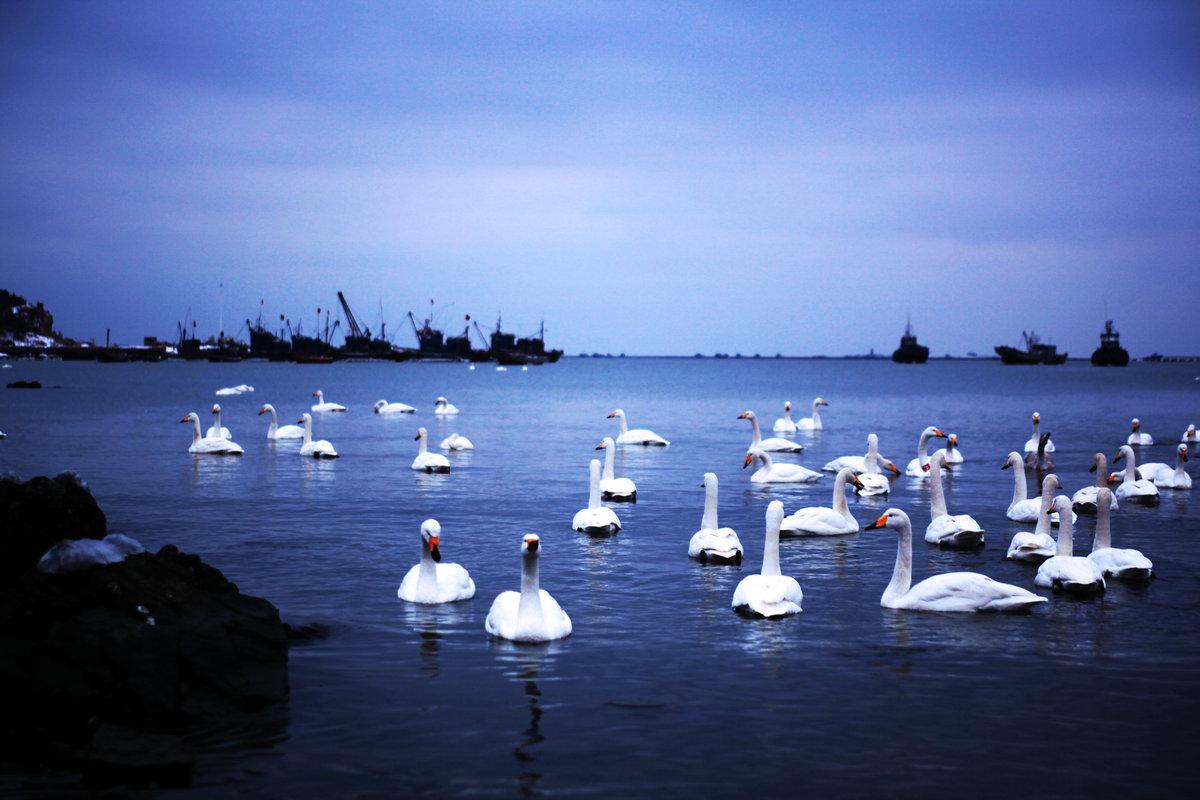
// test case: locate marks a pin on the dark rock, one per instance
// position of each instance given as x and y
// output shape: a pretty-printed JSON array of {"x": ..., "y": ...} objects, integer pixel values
[
  {"x": 122, "y": 755},
  {"x": 37, "y": 514},
  {"x": 25, "y": 385}
]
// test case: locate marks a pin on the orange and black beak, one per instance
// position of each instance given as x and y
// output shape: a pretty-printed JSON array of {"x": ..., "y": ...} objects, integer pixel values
[
  {"x": 1183, "y": 455},
  {"x": 600, "y": 446},
  {"x": 1092, "y": 468},
  {"x": 1113, "y": 479},
  {"x": 1008, "y": 464},
  {"x": 1118, "y": 456},
  {"x": 613, "y": 414},
  {"x": 532, "y": 545},
  {"x": 749, "y": 461},
  {"x": 300, "y": 421},
  {"x": 216, "y": 409},
  {"x": 186, "y": 419},
  {"x": 262, "y": 411},
  {"x": 879, "y": 523},
  {"x": 314, "y": 394},
  {"x": 744, "y": 415},
  {"x": 434, "y": 552},
  {"x": 937, "y": 432},
  {"x": 854, "y": 479},
  {"x": 895, "y": 470},
  {"x": 418, "y": 436}
]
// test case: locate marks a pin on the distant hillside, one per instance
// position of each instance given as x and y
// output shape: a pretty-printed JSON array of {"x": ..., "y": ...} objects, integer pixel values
[{"x": 21, "y": 322}]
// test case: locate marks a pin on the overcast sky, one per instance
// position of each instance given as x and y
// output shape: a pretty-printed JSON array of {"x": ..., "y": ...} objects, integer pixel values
[{"x": 649, "y": 178}]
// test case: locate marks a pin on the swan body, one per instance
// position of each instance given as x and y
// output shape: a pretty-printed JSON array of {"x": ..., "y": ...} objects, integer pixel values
[
  {"x": 773, "y": 444},
  {"x": 636, "y": 435},
  {"x": 1177, "y": 478},
  {"x": 1136, "y": 437},
  {"x": 444, "y": 408},
  {"x": 1189, "y": 436},
  {"x": 1064, "y": 571},
  {"x": 770, "y": 472},
  {"x": 277, "y": 432},
  {"x": 232, "y": 391},
  {"x": 456, "y": 441},
  {"x": 951, "y": 452},
  {"x": 595, "y": 520},
  {"x": 210, "y": 445},
  {"x": 1038, "y": 545},
  {"x": 1134, "y": 489},
  {"x": 919, "y": 466},
  {"x": 430, "y": 582},
  {"x": 425, "y": 460},
  {"x": 832, "y": 520},
  {"x": 322, "y": 406},
  {"x": 1031, "y": 446},
  {"x": 319, "y": 448},
  {"x": 1084, "y": 500},
  {"x": 957, "y": 531},
  {"x": 1113, "y": 562},
  {"x": 620, "y": 490},
  {"x": 769, "y": 594},
  {"x": 1022, "y": 508},
  {"x": 384, "y": 407},
  {"x": 862, "y": 463},
  {"x": 532, "y": 614},
  {"x": 813, "y": 423},
  {"x": 951, "y": 591},
  {"x": 872, "y": 482},
  {"x": 713, "y": 544},
  {"x": 217, "y": 430},
  {"x": 1041, "y": 460},
  {"x": 785, "y": 424}
]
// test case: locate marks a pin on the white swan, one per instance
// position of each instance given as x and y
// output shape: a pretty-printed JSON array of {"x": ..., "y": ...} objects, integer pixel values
[
  {"x": 770, "y": 472},
  {"x": 1189, "y": 436},
  {"x": 456, "y": 441},
  {"x": 620, "y": 490},
  {"x": 430, "y": 581},
  {"x": 532, "y": 614},
  {"x": 785, "y": 424},
  {"x": 773, "y": 444},
  {"x": 1112, "y": 562},
  {"x": 232, "y": 391},
  {"x": 834, "y": 520},
  {"x": 425, "y": 460},
  {"x": 595, "y": 520},
  {"x": 384, "y": 407},
  {"x": 217, "y": 430},
  {"x": 1041, "y": 460},
  {"x": 919, "y": 466},
  {"x": 873, "y": 482},
  {"x": 321, "y": 405},
  {"x": 1063, "y": 570},
  {"x": 959, "y": 531},
  {"x": 1136, "y": 436},
  {"x": 813, "y": 423},
  {"x": 1023, "y": 509},
  {"x": 1134, "y": 489},
  {"x": 1177, "y": 478},
  {"x": 950, "y": 451},
  {"x": 1031, "y": 446},
  {"x": 950, "y": 591},
  {"x": 712, "y": 544},
  {"x": 209, "y": 445},
  {"x": 862, "y": 463},
  {"x": 319, "y": 448},
  {"x": 769, "y": 594},
  {"x": 637, "y": 435},
  {"x": 1038, "y": 545},
  {"x": 1085, "y": 499},
  {"x": 277, "y": 432},
  {"x": 444, "y": 408}
]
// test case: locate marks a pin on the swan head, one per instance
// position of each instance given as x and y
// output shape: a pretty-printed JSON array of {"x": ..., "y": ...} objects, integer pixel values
[
  {"x": 892, "y": 468},
  {"x": 530, "y": 544},
  {"x": 787, "y": 405},
  {"x": 1125, "y": 450},
  {"x": 441, "y": 401},
  {"x": 1182, "y": 450},
  {"x": 192, "y": 417},
  {"x": 263, "y": 410},
  {"x": 379, "y": 404},
  {"x": 1097, "y": 460},
  {"x": 853, "y": 479},
  {"x": 820, "y": 401},
  {"x": 710, "y": 480},
  {"x": 892, "y": 518},
  {"x": 604, "y": 443},
  {"x": 1014, "y": 460},
  {"x": 775, "y": 515},
  {"x": 1134, "y": 424},
  {"x": 431, "y": 533},
  {"x": 1050, "y": 483},
  {"x": 1037, "y": 417},
  {"x": 617, "y": 413},
  {"x": 305, "y": 419},
  {"x": 216, "y": 408},
  {"x": 938, "y": 459},
  {"x": 953, "y": 439},
  {"x": 934, "y": 432},
  {"x": 319, "y": 394},
  {"x": 421, "y": 433},
  {"x": 746, "y": 415}
]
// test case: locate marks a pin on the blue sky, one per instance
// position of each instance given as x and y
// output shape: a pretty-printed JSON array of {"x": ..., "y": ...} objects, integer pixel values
[{"x": 650, "y": 178}]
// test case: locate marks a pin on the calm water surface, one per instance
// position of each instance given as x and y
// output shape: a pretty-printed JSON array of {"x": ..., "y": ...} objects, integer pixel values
[{"x": 662, "y": 689}]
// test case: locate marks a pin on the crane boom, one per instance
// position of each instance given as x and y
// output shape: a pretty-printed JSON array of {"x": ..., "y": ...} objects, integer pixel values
[{"x": 351, "y": 320}]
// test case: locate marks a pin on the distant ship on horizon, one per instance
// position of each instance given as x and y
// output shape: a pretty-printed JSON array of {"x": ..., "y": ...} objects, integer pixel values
[
  {"x": 1110, "y": 353},
  {"x": 1033, "y": 351},
  {"x": 909, "y": 352}
]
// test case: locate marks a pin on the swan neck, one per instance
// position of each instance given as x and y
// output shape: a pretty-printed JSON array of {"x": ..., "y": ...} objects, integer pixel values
[
  {"x": 709, "y": 521},
  {"x": 923, "y": 449},
  {"x": 756, "y": 434},
  {"x": 1065, "y": 543},
  {"x": 529, "y": 609},
  {"x": 902, "y": 572},
  {"x": 196, "y": 430},
  {"x": 816, "y": 416},
  {"x": 308, "y": 430},
  {"x": 594, "y": 487},
  {"x": 426, "y": 572},
  {"x": 839, "y": 493},
  {"x": 1130, "y": 467},
  {"x": 770, "y": 564},
  {"x": 937, "y": 499},
  {"x": 1101, "y": 471},
  {"x": 609, "y": 472},
  {"x": 1103, "y": 537},
  {"x": 1020, "y": 489},
  {"x": 624, "y": 423},
  {"x": 423, "y": 444}
]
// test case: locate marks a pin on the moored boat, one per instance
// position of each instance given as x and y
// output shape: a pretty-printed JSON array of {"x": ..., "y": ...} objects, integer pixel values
[
  {"x": 1032, "y": 351},
  {"x": 1110, "y": 353}
]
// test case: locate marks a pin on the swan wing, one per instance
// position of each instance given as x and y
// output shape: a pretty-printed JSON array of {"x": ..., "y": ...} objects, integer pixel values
[
  {"x": 502, "y": 616},
  {"x": 555, "y": 622},
  {"x": 1068, "y": 570},
  {"x": 1114, "y": 561},
  {"x": 966, "y": 592},
  {"x": 856, "y": 463},
  {"x": 873, "y": 485},
  {"x": 769, "y": 596},
  {"x": 723, "y": 542},
  {"x": 775, "y": 444},
  {"x": 454, "y": 583},
  {"x": 408, "y": 586},
  {"x": 1027, "y": 546},
  {"x": 819, "y": 521},
  {"x": 1026, "y": 510}
]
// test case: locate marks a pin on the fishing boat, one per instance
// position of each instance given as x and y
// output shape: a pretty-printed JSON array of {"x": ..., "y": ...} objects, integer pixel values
[
  {"x": 1032, "y": 351},
  {"x": 1110, "y": 353}
]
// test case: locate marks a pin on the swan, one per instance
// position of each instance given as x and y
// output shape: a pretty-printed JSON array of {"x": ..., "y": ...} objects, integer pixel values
[
  {"x": 384, "y": 407},
  {"x": 1137, "y": 437},
  {"x": 1063, "y": 570},
  {"x": 872, "y": 482},
  {"x": 1023, "y": 509},
  {"x": 1085, "y": 499},
  {"x": 1031, "y": 446},
  {"x": 595, "y": 520},
  {"x": 785, "y": 424},
  {"x": 1039, "y": 545},
  {"x": 919, "y": 466},
  {"x": 1189, "y": 436},
  {"x": 207, "y": 444},
  {"x": 232, "y": 391},
  {"x": 1177, "y": 478},
  {"x": 430, "y": 581},
  {"x": 637, "y": 435},
  {"x": 217, "y": 431},
  {"x": 1041, "y": 460},
  {"x": 950, "y": 451},
  {"x": 621, "y": 490},
  {"x": 950, "y": 591},
  {"x": 1132, "y": 488},
  {"x": 958, "y": 531},
  {"x": 323, "y": 406},
  {"x": 770, "y": 472},
  {"x": 773, "y": 444},
  {"x": 769, "y": 594},
  {"x": 834, "y": 520},
  {"x": 456, "y": 441},
  {"x": 443, "y": 407},
  {"x": 712, "y": 544},
  {"x": 813, "y": 423},
  {"x": 425, "y": 460},
  {"x": 276, "y": 432},
  {"x": 1114, "y": 563},
  {"x": 321, "y": 448},
  {"x": 532, "y": 614},
  {"x": 861, "y": 463}
]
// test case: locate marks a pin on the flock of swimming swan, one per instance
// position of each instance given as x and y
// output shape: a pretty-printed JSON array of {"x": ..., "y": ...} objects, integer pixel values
[{"x": 533, "y": 615}]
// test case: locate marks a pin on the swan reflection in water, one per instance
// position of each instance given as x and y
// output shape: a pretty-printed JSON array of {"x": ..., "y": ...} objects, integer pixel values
[
  {"x": 528, "y": 663},
  {"x": 430, "y": 622}
]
